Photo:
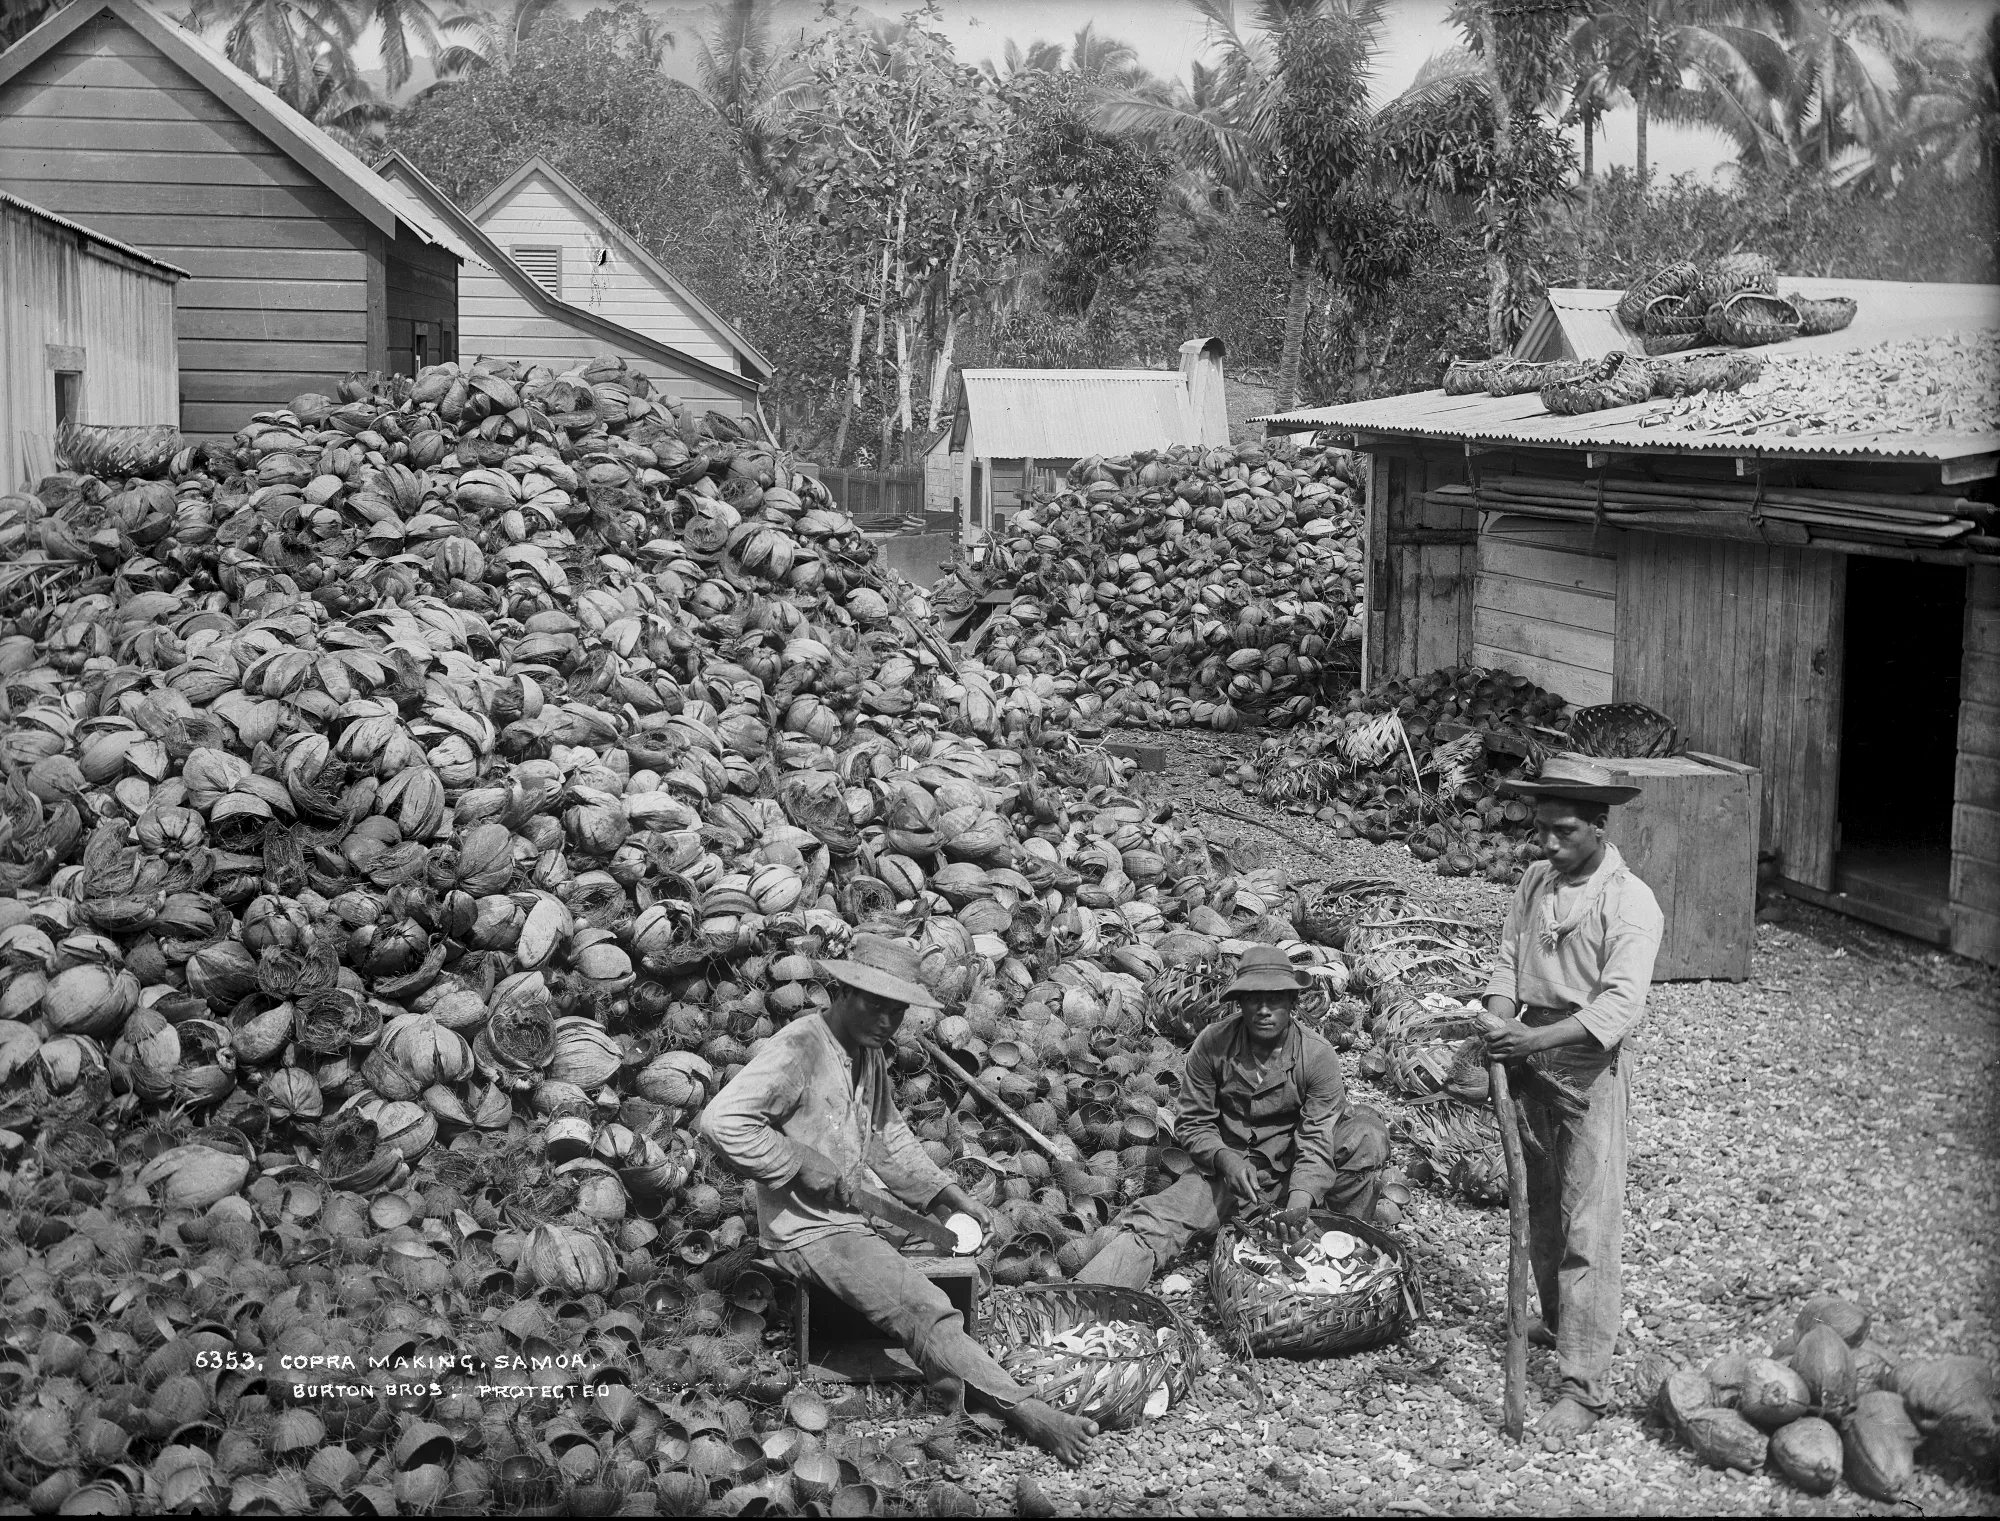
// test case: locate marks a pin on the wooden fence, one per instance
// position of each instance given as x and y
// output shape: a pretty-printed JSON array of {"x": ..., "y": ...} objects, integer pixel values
[{"x": 869, "y": 499}]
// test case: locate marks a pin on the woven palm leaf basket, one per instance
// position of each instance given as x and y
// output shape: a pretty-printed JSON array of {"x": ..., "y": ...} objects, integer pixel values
[
  {"x": 1466, "y": 377},
  {"x": 1817, "y": 318},
  {"x": 1673, "y": 316},
  {"x": 1154, "y": 1358},
  {"x": 1267, "y": 1315},
  {"x": 1515, "y": 377},
  {"x": 1624, "y": 381},
  {"x": 1672, "y": 343},
  {"x": 1675, "y": 280},
  {"x": 1714, "y": 371},
  {"x": 1737, "y": 272},
  {"x": 1750, "y": 318}
]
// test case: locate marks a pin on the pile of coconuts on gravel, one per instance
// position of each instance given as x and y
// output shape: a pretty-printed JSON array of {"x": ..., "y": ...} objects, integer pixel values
[{"x": 1825, "y": 1404}]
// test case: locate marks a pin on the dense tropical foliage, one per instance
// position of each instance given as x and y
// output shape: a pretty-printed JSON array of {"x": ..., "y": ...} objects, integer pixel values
[{"x": 877, "y": 211}]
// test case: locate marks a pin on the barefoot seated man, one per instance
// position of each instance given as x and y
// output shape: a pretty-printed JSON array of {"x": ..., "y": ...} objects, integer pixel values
[
  {"x": 823, "y": 1082},
  {"x": 1266, "y": 1119},
  {"x": 1576, "y": 959}
]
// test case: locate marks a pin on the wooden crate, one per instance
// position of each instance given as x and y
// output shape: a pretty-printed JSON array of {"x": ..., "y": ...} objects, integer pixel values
[
  {"x": 837, "y": 1344},
  {"x": 1691, "y": 836}
]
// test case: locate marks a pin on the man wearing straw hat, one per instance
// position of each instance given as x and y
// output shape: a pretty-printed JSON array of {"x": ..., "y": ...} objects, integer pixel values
[
  {"x": 810, "y": 1119},
  {"x": 1267, "y": 1122},
  {"x": 1576, "y": 958}
]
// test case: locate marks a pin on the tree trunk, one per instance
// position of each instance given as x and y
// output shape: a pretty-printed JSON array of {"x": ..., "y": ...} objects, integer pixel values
[
  {"x": 1496, "y": 302},
  {"x": 1826, "y": 68},
  {"x": 941, "y": 371},
  {"x": 1641, "y": 99},
  {"x": 1290, "y": 358},
  {"x": 851, "y": 394},
  {"x": 1589, "y": 205}
]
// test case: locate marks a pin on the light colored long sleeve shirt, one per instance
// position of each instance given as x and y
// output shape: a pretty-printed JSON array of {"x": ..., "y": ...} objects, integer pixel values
[
  {"x": 800, "y": 1086},
  {"x": 1587, "y": 949}
]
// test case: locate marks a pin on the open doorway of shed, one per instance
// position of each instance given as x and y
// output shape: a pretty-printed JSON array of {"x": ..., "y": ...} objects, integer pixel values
[{"x": 1899, "y": 740}]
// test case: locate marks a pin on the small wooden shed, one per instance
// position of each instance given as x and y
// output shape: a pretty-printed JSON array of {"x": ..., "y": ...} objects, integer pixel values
[
  {"x": 86, "y": 335},
  {"x": 1018, "y": 431},
  {"x": 506, "y": 312},
  {"x": 1824, "y": 606},
  {"x": 307, "y": 264}
]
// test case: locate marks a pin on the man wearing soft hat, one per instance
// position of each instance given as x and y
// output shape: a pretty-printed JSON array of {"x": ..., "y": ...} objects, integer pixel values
[
  {"x": 811, "y": 1118},
  {"x": 1576, "y": 958},
  {"x": 1267, "y": 1122}
]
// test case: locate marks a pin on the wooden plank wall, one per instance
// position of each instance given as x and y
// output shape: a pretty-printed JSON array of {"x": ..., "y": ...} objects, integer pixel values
[
  {"x": 1975, "y": 820},
  {"x": 1422, "y": 562},
  {"x": 617, "y": 289},
  {"x": 107, "y": 130},
  {"x": 1741, "y": 644},
  {"x": 499, "y": 322},
  {"x": 1545, "y": 604},
  {"x": 112, "y": 317},
  {"x": 421, "y": 286}
]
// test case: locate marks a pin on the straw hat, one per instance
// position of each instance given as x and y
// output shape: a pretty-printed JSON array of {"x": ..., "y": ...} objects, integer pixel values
[
  {"x": 886, "y": 968},
  {"x": 1266, "y": 969},
  {"x": 1569, "y": 776}
]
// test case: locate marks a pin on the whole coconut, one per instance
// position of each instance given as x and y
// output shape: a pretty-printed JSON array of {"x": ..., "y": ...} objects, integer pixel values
[
  {"x": 1773, "y": 1395},
  {"x": 1809, "y": 1453},
  {"x": 1826, "y": 1363},
  {"x": 1847, "y": 1321}
]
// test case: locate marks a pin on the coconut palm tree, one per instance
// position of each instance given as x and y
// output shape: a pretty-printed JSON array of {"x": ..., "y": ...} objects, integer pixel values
[
  {"x": 1282, "y": 118},
  {"x": 1108, "y": 60},
  {"x": 402, "y": 25},
  {"x": 1646, "y": 47},
  {"x": 303, "y": 50},
  {"x": 1844, "y": 53},
  {"x": 22, "y": 17},
  {"x": 1038, "y": 57},
  {"x": 491, "y": 36}
]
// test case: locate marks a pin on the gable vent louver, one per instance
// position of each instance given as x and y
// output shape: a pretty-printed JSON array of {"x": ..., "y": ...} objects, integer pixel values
[{"x": 543, "y": 266}]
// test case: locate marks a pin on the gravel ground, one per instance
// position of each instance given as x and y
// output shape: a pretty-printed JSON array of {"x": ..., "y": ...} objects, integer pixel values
[{"x": 1827, "y": 1126}]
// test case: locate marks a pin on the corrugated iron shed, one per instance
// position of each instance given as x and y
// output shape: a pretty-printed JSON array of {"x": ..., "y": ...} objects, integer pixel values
[
  {"x": 1068, "y": 414},
  {"x": 1887, "y": 311},
  {"x": 90, "y": 235}
]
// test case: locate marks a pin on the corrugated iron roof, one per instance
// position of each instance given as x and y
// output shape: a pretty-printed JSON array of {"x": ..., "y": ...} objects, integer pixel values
[
  {"x": 1068, "y": 414},
  {"x": 94, "y": 236},
  {"x": 1886, "y": 311}
]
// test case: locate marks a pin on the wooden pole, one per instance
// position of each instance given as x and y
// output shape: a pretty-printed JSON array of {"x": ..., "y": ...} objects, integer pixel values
[
  {"x": 993, "y": 1101},
  {"x": 1519, "y": 1267}
]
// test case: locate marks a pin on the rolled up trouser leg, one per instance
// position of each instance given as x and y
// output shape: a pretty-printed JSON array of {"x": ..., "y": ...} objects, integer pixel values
[
  {"x": 1360, "y": 1148},
  {"x": 863, "y": 1270},
  {"x": 1156, "y": 1230}
]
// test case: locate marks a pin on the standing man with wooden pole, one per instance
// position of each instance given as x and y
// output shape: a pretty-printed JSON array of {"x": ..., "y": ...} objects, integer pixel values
[{"x": 1576, "y": 958}]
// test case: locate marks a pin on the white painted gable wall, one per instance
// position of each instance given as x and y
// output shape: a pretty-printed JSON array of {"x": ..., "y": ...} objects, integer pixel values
[{"x": 536, "y": 215}]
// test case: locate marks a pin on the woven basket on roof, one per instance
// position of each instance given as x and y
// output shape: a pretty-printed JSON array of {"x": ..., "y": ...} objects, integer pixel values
[
  {"x": 1676, "y": 344},
  {"x": 1625, "y": 382},
  {"x": 1466, "y": 377},
  {"x": 1737, "y": 272},
  {"x": 1675, "y": 280},
  {"x": 1111, "y": 1391},
  {"x": 1820, "y": 317},
  {"x": 1750, "y": 318},
  {"x": 1729, "y": 371},
  {"x": 1673, "y": 316},
  {"x": 1264, "y": 1318},
  {"x": 1515, "y": 377}
]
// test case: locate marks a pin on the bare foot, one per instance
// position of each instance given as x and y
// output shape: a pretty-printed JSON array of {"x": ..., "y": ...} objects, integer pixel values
[
  {"x": 1566, "y": 1418},
  {"x": 1539, "y": 1335},
  {"x": 1065, "y": 1437}
]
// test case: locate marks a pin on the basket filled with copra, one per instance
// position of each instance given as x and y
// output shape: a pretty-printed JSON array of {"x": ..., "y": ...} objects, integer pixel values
[
  {"x": 1111, "y": 1355},
  {"x": 1314, "y": 1284}
]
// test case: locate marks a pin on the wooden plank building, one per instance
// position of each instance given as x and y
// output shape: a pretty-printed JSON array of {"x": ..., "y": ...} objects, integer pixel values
[
  {"x": 508, "y": 312},
  {"x": 305, "y": 264},
  {"x": 1856, "y": 667},
  {"x": 86, "y": 335}
]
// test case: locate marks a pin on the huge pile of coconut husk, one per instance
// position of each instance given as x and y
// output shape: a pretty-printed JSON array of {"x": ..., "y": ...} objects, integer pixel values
[
  {"x": 1195, "y": 586},
  {"x": 416, "y": 806}
]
